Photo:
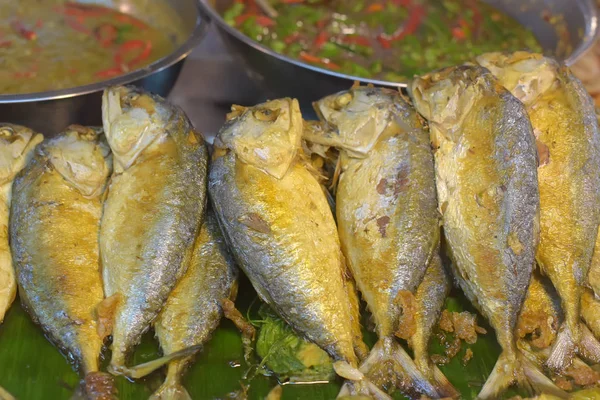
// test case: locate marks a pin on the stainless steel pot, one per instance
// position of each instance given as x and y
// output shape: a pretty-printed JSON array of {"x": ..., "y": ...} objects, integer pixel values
[
  {"x": 50, "y": 112},
  {"x": 283, "y": 76}
]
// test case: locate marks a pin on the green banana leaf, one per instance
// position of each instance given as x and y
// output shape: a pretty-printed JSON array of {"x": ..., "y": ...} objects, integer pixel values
[{"x": 32, "y": 368}]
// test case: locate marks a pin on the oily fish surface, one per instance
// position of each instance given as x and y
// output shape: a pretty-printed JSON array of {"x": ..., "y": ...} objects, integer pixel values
[
  {"x": 388, "y": 221},
  {"x": 17, "y": 144},
  {"x": 487, "y": 187},
  {"x": 152, "y": 213},
  {"x": 57, "y": 261},
  {"x": 283, "y": 235},
  {"x": 193, "y": 310}
]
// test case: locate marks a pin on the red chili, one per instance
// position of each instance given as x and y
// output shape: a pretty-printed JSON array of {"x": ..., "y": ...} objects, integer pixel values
[
  {"x": 106, "y": 34},
  {"x": 318, "y": 60},
  {"x": 83, "y": 10},
  {"x": 458, "y": 33},
  {"x": 22, "y": 30},
  {"x": 355, "y": 39},
  {"x": 127, "y": 48},
  {"x": 110, "y": 72},
  {"x": 292, "y": 38},
  {"x": 385, "y": 43},
  {"x": 264, "y": 21},
  {"x": 375, "y": 7},
  {"x": 77, "y": 26},
  {"x": 321, "y": 39},
  {"x": 417, "y": 13}
]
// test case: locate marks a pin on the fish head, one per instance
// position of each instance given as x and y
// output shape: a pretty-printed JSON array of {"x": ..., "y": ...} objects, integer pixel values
[
  {"x": 446, "y": 96},
  {"x": 132, "y": 120},
  {"x": 82, "y": 156},
  {"x": 354, "y": 118},
  {"x": 266, "y": 136},
  {"x": 526, "y": 75},
  {"x": 16, "y": 148}
]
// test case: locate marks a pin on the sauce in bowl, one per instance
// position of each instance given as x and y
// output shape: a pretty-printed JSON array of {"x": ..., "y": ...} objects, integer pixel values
[
  {"x": 390, "y": 40},
  {"x": 52, "y": 45}
]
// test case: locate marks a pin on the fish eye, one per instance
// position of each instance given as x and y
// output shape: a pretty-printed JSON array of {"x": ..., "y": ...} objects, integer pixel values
[
  {"x": 266, "y": 115},
  {"x": 6, "y": 131},
  {"x": 342, "y": 100}
]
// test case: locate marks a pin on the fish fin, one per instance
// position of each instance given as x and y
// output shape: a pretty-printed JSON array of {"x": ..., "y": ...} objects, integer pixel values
[
  {"x": 4, "y": 395},
  {"x": 356, "y": 383},
  {"x": 522, "y": 371},
  {"x": 589, "y": 346},
  {"x": 105, "y": 312},
  {"x": 171, "y": 391},
  {"x": 144, "y": 369},
  {"x": 443, "y": 385},
  {"x": 562, "y": 351},
  {"x": 247, "y": 329},
  {"x": 540, "y": 382},
  {"x": 402, "y": 369}
]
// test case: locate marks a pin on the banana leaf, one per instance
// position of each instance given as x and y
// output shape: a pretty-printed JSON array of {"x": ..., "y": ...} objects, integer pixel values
[{"x": 32, "y": 368}]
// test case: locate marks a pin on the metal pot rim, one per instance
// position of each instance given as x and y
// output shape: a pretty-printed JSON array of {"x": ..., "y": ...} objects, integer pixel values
[
  {"x": 589, "y": 9},
  {"x": 173, "y": 58}
]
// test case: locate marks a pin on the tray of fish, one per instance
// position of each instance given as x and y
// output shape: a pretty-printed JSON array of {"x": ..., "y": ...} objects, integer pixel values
[{"x": 433, "y": 243}]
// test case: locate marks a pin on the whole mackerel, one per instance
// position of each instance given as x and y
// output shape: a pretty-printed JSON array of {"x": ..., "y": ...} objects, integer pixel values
[
  {"x": 194, "y": 310},
  {"x": 486, "y": 164},
  {"x": 282, "y": 232},
  {"x": 54, "y": 225},
  {"x": 152, "y": 213},
  {"x": 568, "y": 140},
  {"x": 386, "y": 208},
  {"x": 16, "y": 148}
]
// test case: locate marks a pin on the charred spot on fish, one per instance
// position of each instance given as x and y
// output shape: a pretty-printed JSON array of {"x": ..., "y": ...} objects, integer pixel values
[
  {"x": 256, "y": 222},
  {"x": 543, "y": 153},
  {"x": 382, "y": 223},
  {"x": 382, "y": 186}
]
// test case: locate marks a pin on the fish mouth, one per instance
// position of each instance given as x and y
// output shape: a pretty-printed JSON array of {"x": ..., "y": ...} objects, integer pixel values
[
  {"x": 132, "y": 120},
  {"x": 16, "y": 143},
  {"x": 526, "y": 75},
  {"x": 81, "y": 156}
]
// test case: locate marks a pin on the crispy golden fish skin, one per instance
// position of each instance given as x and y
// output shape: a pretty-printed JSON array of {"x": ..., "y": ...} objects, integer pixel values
[
  {"x": 16, "y": 148},
  {"x": 386, "y": 203},
  {"x": 193, "y": 310},
  {"x": 152, "y": 213},
  {"x": 568, "y": 140},
  {"x": 283, "y": 235},
  {"x": 54, "y": 224},
  {"x": 430, "y": 299},
  {"x": 486, "y": 170},
  {"x": 593, "y": 277}
]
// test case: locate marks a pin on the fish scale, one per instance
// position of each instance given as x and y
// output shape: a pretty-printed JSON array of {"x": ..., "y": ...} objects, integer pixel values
[
  {"x": 57, "y": 261},
  {"x": 152, "y": 213},
  {"x": 486, "y": 164}
]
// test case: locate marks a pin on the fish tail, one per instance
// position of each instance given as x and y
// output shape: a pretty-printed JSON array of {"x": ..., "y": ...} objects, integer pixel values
[
  {"x": 388, "y": 352},
  {"x": 171, "y": 389},
  {"x": 357, "y": 384},
  {"x": 98, "y": 385},
  {"x": 144, "y": 369},
  {"x": 443, "y": 385},
  {"x": 519, "y": 370},
  {"x": 589, "y": 346},
  {"x": 563, "y": 350}
]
